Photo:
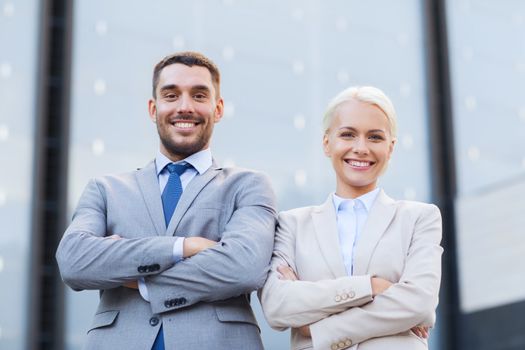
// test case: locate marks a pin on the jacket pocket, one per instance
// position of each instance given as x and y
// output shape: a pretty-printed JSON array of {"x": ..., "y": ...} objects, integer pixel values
[
  {"x": 103, "y": 319},
  {"x": 235, "y": 313}
]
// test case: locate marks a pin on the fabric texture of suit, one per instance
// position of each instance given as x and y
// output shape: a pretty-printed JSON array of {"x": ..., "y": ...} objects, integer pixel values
[
  {"x": 400, "y": 242},
  {"x": 202, "y": 302}
]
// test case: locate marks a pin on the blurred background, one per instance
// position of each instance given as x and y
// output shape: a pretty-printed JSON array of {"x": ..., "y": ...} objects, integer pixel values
[{"x": 75, "y": 77}]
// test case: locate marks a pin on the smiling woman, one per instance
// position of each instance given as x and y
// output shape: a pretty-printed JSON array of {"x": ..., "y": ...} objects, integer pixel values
[
  {"x": 361, "y": 270},
  {"x": 359, "y": 139}
]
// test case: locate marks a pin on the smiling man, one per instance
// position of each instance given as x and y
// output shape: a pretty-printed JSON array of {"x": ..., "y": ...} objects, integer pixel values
[{"x": 176, "y": 247}]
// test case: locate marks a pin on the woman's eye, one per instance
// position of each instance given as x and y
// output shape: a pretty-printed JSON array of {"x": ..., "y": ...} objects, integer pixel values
[
  {"x": 376, "y": 137},
  {"x": 347, "y": 134}
]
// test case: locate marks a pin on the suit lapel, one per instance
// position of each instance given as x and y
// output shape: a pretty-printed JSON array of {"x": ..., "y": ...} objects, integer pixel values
[
  {"x": 380, "y": 216},
  {"x": 149, "y": 186},
  {"x": 325, "y": 225},
  {"x": 190, "y": 193}
]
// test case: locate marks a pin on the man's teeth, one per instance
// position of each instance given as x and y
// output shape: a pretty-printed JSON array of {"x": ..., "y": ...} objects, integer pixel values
[
  {"x": 358, "y": 164},
  {"x": 184, "y": 125}
]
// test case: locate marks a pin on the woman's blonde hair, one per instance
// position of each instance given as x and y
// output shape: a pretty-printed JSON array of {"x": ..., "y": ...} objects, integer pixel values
[{"x": 366, "y": 94}]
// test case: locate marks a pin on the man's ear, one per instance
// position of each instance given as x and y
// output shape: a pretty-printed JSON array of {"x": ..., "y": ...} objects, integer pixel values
[
  {"x": 152, "y": 109},
  {"x": 219, "y": 110}
]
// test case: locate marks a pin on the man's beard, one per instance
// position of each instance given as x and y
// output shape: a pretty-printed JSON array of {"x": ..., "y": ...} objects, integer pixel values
[{"x": 183, "y": 150}]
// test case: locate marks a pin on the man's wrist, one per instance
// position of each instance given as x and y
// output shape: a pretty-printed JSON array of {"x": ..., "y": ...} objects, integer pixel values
[{"x": 178, "y": 249}]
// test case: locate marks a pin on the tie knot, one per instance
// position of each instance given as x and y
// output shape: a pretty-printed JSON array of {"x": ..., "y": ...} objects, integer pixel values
[{"x": 177, "y": 168}]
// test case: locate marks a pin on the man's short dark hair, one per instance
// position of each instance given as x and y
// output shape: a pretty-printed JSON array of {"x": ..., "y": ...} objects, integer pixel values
[{"x": 188, "y": 58}]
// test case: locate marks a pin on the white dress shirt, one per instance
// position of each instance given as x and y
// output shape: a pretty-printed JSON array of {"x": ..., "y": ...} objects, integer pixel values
[{"x": 351, "y": 217}]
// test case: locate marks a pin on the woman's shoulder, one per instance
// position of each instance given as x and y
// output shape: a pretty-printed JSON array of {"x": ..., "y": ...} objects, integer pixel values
[
  {"x": 416, "y": 208},
  {"x": 300, "y": 213}
]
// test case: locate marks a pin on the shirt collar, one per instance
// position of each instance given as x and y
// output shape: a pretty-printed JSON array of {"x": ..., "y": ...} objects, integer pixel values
[
  {"x": 201, "y": 161},
  {"x": 367, "y": 199}
]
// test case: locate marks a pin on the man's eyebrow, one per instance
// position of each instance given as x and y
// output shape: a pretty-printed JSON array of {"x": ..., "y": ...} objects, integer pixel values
[
  {"x": 200, "y": 88},
  {"x": 169, "y": 87}
]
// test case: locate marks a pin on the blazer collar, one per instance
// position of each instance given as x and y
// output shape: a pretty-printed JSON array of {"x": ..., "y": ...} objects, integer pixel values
[
  {"x": 379, "y": 218},
  {"x": 325, "y": 226},
  {"x": 149, "y": 186}
]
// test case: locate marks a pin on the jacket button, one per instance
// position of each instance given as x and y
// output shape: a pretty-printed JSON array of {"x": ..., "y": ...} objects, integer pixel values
[
  {"x": 154, "y": 321},
  {"x": 140, "y": 269},
  {"x": 155, "y": 267},
  {"x": 183, "y": 301},
  {"x": 167, "y": 304}
]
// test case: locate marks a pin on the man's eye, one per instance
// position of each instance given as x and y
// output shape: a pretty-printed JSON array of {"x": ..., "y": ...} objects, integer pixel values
[
  {"x": 170, "y": 96},
  {"x": 200, "y": 96}
]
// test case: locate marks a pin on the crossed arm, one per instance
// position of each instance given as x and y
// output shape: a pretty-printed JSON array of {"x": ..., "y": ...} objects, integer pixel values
[{"x": 89, "y": 258}]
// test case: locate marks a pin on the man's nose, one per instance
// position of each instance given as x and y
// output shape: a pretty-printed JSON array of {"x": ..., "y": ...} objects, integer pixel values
[{"x": 185, "y": 104}]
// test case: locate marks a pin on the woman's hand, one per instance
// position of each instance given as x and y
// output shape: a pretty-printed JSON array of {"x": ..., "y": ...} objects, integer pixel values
[
  {"x": 305, "y": 331},
  {"x": 287, "y": 273},
  {"x": 421, "y": 331},
  {"x": 379, "y": 285}
]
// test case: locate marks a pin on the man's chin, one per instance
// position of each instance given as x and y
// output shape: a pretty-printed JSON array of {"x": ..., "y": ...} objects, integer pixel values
[{"x": 183, "y": 150}]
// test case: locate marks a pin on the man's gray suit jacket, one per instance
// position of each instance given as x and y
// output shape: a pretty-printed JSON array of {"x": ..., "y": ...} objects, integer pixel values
[{"x": 202, "y": 302}]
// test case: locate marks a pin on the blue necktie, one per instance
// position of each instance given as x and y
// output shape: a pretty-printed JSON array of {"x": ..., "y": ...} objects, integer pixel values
[
  {"x": 170, "y": 198},
  {"x": 173, "y": 190}
]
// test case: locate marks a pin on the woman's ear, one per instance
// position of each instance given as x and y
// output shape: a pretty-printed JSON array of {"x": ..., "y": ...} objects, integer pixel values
[
  {"x": 326, "y": 144},
  {"x": 391, "y": 147}
]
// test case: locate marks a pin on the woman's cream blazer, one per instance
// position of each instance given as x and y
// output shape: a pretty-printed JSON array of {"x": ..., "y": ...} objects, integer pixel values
[{"x": 400, "y": 242}]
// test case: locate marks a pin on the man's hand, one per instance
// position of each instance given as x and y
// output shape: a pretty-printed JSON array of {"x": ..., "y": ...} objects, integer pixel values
[
  {"x": 131, "y": 285},
  {"x": 287, "y": 273},
  {"x": 194, "y": 245},
  {"x": 379, "y": 285}
]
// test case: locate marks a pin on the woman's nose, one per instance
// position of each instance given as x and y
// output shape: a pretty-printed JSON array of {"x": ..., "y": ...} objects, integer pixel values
[{"x": 360, "y": 146}]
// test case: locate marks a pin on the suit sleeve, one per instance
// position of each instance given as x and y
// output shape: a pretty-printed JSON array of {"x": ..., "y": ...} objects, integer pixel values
[
  {"x": 405, "y": 304},
  {"x": 237, "y": 265},
  {"x": 296, "y": 303},
  {"x": 89, "y": 260}
]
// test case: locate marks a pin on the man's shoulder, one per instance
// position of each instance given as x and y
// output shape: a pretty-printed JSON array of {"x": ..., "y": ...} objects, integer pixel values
[
  {"x": 239, "y": 173},
  {"x": 123, "y": 177}
]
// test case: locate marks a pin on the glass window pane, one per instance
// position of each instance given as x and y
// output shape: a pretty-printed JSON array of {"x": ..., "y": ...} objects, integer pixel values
[
  {"x": 488, "y": 85},
  {"x": 18, "y": 40}
]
